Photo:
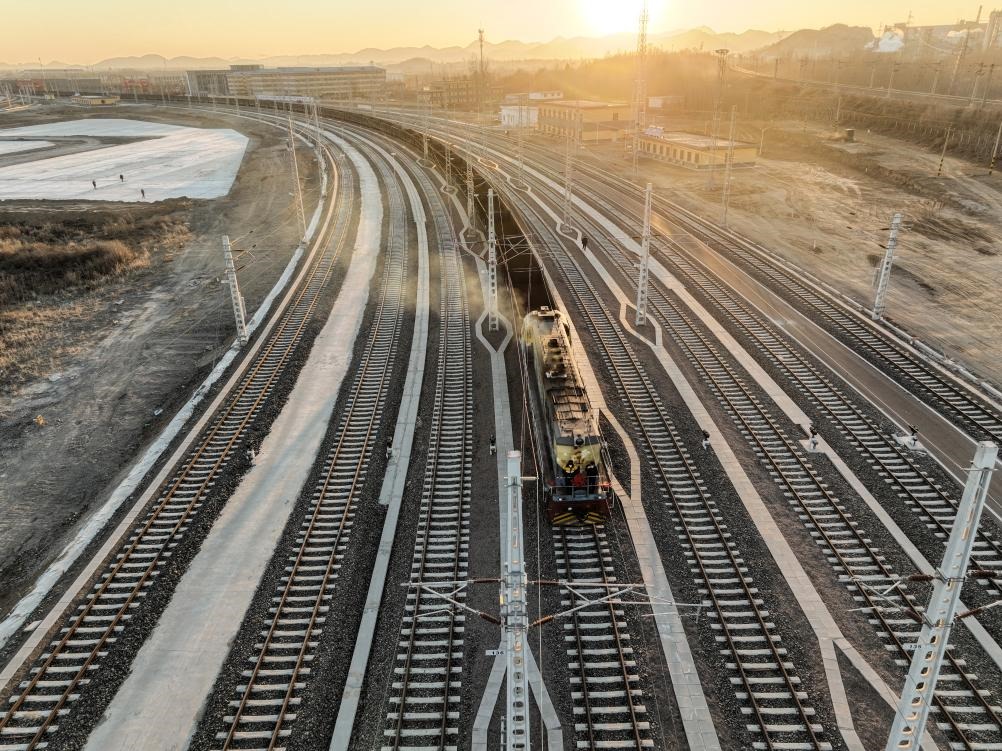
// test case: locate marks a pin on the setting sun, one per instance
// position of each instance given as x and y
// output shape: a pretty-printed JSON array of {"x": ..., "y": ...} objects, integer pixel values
[{"x": 611, "y": 16}]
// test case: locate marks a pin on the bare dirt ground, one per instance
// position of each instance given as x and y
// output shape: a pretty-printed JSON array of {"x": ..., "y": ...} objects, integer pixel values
[
  {"x": 827, "y": 205},
  {"x": 106, "y": 367}
]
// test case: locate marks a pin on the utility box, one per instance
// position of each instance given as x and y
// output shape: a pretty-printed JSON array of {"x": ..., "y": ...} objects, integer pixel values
[{"x": 850, "y": 135}]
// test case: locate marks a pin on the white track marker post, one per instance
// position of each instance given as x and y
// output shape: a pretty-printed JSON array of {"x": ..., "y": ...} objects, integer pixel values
[
  {"x": 299, "y": 188},
  {"x": 239, "y": 311},
  {"x": 645, "y": 259},
  {"x": 515, "y": 614},
  {"x": 492, "y": 265},
  {"x": 884, "y": 279},
  {"x": 920, "y": 684}
]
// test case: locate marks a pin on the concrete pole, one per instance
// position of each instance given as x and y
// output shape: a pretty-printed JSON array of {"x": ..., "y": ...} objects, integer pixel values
[
  {"x": 448, "y": 164},
  {"x": 237, "y": 300},
  {"x": 569, "y": 178},
  {"x": 515, "y": 614},
  {"x": 299, "y": 188},
  {"x": 920, "y": 684},
  {"x": 729, "y": 159},
  {"x": 988, "y": 85},
  {"x": 519, "y": 149},
  {"x": 942, "y": 156},
  {"x": 470, "y": 197},
  {"x": 492, "y": 266},
  {"x": 885, "y": 269},
  {"x": 645, "y": 259}
]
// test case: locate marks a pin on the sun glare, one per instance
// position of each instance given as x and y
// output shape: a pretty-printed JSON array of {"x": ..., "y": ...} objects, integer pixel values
[{"x": 611, "y": 16}]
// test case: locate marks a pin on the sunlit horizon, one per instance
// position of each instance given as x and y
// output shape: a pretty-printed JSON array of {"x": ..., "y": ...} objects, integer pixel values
[{"x": 85, "y": 33}]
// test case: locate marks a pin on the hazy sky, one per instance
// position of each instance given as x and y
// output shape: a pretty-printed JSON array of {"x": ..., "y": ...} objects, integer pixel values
[{"x": 86, "y": 31}]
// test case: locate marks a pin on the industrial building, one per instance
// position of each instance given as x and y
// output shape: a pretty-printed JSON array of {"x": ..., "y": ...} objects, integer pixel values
[
  {"x": 694, "y": 151},
  {"x": 584, "y": 120},
  {"x": 344, "y": 83}
]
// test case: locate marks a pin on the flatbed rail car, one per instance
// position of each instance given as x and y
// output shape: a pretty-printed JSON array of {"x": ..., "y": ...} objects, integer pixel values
[{"x": 571, "y": 456}]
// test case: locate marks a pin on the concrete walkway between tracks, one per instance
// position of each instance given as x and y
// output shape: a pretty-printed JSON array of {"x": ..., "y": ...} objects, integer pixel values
[
  {"x": 505, "y": 442},
  {"x": 160, "y": 702},
  {"x": 826, "y": 630},
  {"x": 394, "y": 483}
]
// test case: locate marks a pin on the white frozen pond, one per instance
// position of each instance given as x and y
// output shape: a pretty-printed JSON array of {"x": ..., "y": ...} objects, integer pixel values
[
  {"x": 175, "y": 161},
  {"x": 13, "y": 147}
]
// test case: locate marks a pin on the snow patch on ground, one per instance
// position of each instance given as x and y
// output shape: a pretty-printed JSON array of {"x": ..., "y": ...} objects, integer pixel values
[
  {"x": 13, "y": 147},
  {"x": 175, "y": 161}
]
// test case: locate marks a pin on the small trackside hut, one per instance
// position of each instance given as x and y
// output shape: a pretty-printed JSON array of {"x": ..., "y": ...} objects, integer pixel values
[{"x": 570, "y": 450}]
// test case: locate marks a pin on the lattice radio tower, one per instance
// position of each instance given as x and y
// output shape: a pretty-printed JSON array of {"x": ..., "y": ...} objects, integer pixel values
[{"x": 640, "y": 88}]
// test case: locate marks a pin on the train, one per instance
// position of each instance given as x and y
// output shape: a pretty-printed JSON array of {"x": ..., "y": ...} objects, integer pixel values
[{"x": 571, "y": 456}]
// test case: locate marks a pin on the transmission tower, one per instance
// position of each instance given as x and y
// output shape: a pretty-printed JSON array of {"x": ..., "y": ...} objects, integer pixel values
[
  {"x": 640, "y": 88},
  {"x": 645, "y": 259},
  {"x": 717, "y": 99}
]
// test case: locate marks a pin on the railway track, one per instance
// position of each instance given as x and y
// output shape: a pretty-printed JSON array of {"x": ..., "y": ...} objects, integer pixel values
[
  {"x": 965, "y": 709},
  {"x": 978, "y": 418},
  {"x": 767, "y": 687},
  {"x": 425, "y": 691},
  {"x": 278, "y": 672},
  {"x": 957, "y": 403},
  {"x": 605, "y": 683},
  {"x": 950, "y": 398},
  {"x": 40, "y": 703},
  {"x": 898, "y": 467}
]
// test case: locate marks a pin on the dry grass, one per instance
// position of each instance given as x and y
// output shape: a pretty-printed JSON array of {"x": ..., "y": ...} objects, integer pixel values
[
  {"x": 42, "y": 255},
  {"x": 53, "y": 262}
]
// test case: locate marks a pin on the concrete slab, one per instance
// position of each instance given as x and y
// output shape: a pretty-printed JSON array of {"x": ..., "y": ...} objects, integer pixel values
[
  {"x": 189, "y": 645},
  {"x": 391, "y": 493},
  {"x": 173, "y": 161}
]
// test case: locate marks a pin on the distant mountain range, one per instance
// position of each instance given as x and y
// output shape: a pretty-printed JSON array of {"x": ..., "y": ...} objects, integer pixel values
[
  {"x": 556, "y": 49},
  {"x": 832, "y": 40}
]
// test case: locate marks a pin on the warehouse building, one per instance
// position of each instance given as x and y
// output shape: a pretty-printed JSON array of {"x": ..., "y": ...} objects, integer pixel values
[
  {"x": 584, "y": 120},
  {"x": 694, "y": 151}
]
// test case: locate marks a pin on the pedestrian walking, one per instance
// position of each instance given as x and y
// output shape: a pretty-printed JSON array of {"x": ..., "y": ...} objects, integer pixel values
[
  {"x": 94, "y": 183},
  {"x": 494, "y": 445},
  {"x": 706, "y": 440},
  {"x": 142, "y": 192},
  {"x": 122, "y": 178},
  {"x": 389, "y": 449}
]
